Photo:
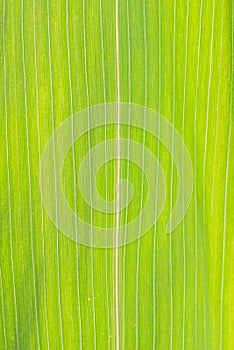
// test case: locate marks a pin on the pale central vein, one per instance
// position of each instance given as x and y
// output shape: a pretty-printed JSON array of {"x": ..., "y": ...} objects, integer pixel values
[{"x": 118, "y": 180}]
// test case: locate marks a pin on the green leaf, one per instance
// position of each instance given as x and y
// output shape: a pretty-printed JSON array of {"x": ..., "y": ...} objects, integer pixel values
[{"x": 161, "y": 291}]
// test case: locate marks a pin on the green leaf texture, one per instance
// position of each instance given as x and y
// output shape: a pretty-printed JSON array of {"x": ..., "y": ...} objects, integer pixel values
[{"x": 162, "y": 291}]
